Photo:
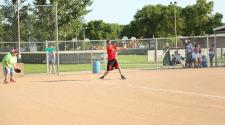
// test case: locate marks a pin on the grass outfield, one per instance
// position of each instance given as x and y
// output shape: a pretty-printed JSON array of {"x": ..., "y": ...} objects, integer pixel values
[
  {"x": 41, "y": 68},
  {"x": 126, "y": 61}
]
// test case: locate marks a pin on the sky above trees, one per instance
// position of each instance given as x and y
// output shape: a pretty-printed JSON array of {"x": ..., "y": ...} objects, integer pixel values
[{"x": 123, "y": 11}]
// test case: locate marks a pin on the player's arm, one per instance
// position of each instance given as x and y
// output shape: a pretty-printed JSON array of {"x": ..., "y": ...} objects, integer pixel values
[
  {"x": 7, "y": 61},
  {"x": 116, "y": 48}
]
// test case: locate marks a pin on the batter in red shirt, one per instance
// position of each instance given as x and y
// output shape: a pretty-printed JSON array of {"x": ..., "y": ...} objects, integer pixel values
[{"x": 112, "y": 61}]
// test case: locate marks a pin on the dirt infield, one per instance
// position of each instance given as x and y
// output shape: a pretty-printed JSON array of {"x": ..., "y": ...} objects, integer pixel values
[{"x": 147, "y": 97}]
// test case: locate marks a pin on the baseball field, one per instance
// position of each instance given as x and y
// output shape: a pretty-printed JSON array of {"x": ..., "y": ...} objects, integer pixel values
[{"x": 147, "y": 97}]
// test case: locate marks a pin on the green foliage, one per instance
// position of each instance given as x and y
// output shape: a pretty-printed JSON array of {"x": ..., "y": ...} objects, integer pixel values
[
  {"x": 70, "y": 13},
  {"x": 39, "y": 23},
  {"x": 197, "y": 17},
  {"x": 1, "y": 24},
  {"x": 98, "y": 30},
  {"x": 159, "y": 20}
]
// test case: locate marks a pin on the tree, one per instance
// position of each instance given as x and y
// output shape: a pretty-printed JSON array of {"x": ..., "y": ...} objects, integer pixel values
[
  {"x": 197, "y": 17},
  {"x": 1, "y": 25},
  {"x": 214, "y": 21},
  {"x": 9, "y": 18},
  {"x": 100, "y": 30},
  {"x": 70, "y": 15},
  {"x": 156, "y": 21}
]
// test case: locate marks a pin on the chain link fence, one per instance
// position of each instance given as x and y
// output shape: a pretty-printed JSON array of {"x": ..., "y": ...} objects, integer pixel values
[{"x": 141, "y": 53}]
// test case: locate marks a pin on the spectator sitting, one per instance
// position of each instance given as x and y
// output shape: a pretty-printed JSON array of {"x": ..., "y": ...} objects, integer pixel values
[{"x": 178, "y": 59}]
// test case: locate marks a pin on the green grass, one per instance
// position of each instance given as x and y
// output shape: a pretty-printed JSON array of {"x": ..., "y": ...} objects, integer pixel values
[
  {"x": 126, "y": 61},
  {"x": 34, "y": 68},
  {"x": 133, "y": 59},
  {"x": 41, "y": 68}
]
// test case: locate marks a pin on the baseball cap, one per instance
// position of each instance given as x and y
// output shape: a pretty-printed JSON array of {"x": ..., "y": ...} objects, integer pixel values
[{"x": 14, "y": 50}]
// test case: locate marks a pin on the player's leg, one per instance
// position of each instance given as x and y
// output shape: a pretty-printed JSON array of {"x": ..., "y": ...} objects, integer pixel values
[
  {"x": 121, "y": 74},
  {"x": 6, "y": 74},
  {"x": 106, "y": 72},
  {"x": 109, "y": 68},
  {"x": 53, "y": 66},
  {"x": 53, "y": 69},
  {"x": 211, "y": 59},
  {"x": 11, "y": 75},
  {"x": 117, "y": 66}
]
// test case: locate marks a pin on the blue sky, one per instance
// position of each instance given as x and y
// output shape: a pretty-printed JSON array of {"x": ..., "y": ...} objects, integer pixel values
[{"x": 122, "y": 11}]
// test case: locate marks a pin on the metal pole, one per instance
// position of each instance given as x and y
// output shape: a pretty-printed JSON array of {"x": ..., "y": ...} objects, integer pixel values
[
  {"x": 175, "y": 20},
  {"x": 84, "y": 33},
  {"x": 65, "y": 46},
  {"x": 18, "y": 25},
  {"x": 215, "y": 48},
  {"x": 207, "y": 46},
  {"x": 84, "y": 29},
  {"x": 57, "y": 34},
  {"x": 175, "y": 28},
  {"x": 156, "y": 52},
  {"x": 47, "y": 60},
  {"x": 73, "y": 46}
]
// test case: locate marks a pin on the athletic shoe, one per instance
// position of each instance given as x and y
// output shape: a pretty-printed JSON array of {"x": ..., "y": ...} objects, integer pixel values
[
  {"x": 123, "y": 77},
  {"x": 102, "y": 77},
  {"x": 12, "y": 80}
]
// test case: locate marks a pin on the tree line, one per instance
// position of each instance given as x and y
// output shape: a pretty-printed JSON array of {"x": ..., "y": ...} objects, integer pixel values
[{"x": 39, "y": 23}]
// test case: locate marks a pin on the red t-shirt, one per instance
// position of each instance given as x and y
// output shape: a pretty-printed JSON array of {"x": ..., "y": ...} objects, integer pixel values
[{"x": 111, "y": 51}]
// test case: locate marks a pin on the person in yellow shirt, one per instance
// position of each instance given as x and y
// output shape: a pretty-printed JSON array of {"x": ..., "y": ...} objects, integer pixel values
[{"x": 9, "y": 63}]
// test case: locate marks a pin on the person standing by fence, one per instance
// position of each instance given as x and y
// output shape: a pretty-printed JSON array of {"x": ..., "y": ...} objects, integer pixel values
[
  {"x": 189, "y": 54},
  {"x": 211, "y": 54},
  {"x": 197, "y": 56},
  {"x": 166, "y": 53},
  {"x": 51, "y": 60}
]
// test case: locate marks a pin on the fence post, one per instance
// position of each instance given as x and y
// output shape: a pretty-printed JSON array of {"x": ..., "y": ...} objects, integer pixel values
[
  {"x": 156, "y": 53},
  {"x": 215, "y": 48},
  {"x": 73, "y": 46},
  {"x": 65, "y": 46},
  {"x": 78, "y": 58},
  {"x": 207, "y": 46},
  {"x": 47, "y": 62},
  {"x": 57, "y": 34}
]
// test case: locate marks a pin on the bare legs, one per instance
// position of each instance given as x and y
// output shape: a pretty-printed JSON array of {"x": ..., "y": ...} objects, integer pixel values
[
  {"x": 51, "y": 68},
  {"x": 120, "y": 71}
]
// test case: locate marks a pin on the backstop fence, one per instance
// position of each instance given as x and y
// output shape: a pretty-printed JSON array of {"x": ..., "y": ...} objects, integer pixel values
[{"x": 79, "y": 55}]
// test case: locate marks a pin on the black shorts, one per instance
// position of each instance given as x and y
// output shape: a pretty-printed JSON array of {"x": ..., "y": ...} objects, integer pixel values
[{"x": 112, "y": 64}]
